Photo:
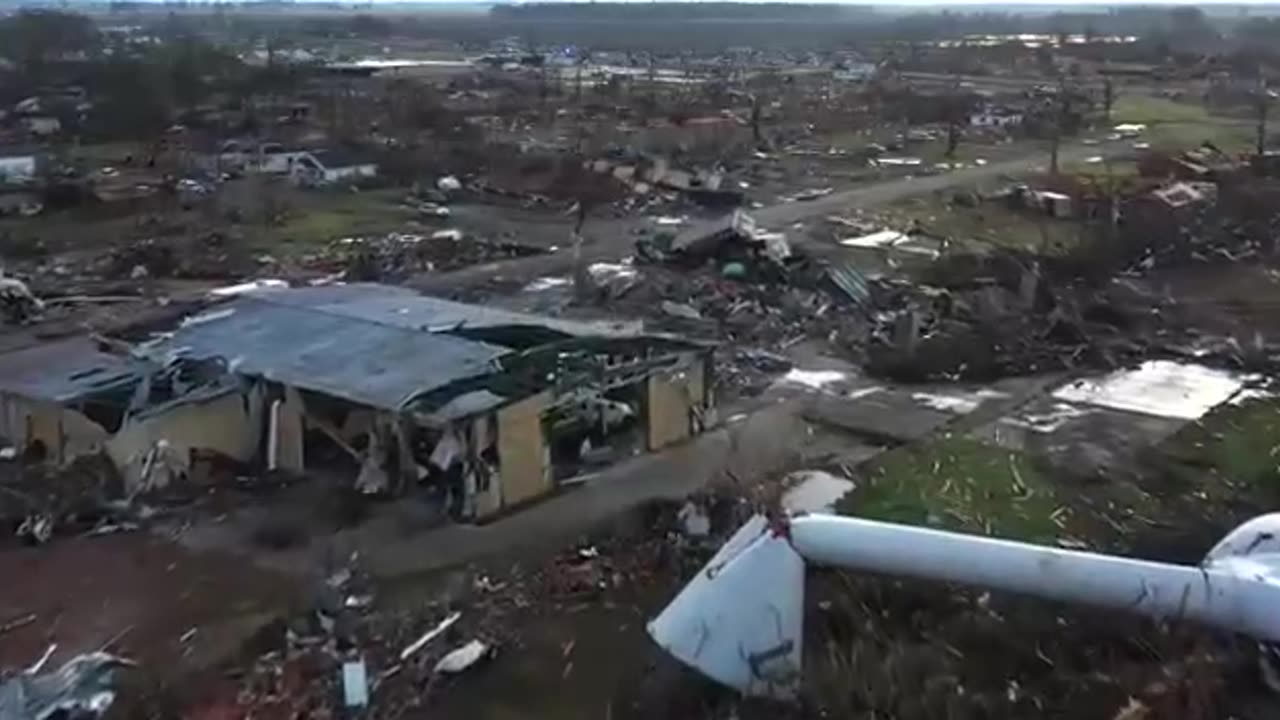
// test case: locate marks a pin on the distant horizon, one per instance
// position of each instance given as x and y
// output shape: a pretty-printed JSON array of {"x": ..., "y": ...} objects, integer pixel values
[{"x": 940, "y": 4}]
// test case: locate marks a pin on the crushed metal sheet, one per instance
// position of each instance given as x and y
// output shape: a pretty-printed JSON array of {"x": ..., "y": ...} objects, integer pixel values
[
  {"x": 549, "y": 282},
  {"x": 815, "y": 379},
  {"x": 851, "y": 282},
  {"x": 430, "y": 635},
  {"x": 1049, "y": 421},
  {"x": 83, "y": 687},
  {"x": 204, "y": 317},
  {"x": 462, "y": 658},
  {"x": 1158, "y": 387},
  {"x": 883, "y": 238},
  {"x": 66, "y": 370},
  {"x": 961, "y": 403},
  {"x": 248, "y": 287},
  {"x": 1251, "y": 394},
  {"x": 602, "y": 270}
]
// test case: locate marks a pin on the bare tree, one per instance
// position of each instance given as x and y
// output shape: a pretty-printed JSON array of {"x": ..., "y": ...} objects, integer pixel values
[
  {"x": 1058, "y": 118},
  {"x": 1108, "y": 97},
  {"x": 755, "y": 118}
]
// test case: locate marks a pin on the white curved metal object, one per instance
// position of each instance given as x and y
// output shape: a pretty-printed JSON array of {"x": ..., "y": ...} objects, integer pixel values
[{"x": 739, "y": 621}]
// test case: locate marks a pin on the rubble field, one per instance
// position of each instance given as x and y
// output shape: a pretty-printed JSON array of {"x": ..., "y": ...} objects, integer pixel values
[{"x": 425, "y": 364}]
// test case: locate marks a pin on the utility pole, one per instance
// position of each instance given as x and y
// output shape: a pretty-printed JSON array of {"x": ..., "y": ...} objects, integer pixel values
[
  {"x": 1263, "y": 100},
  {"x": 1055, "y": 141},
  {"x": 577, "y": 83},
  {"x": 1062, "y": 105},
  {"x": 542, "y": 85},
  {"x": 953, "y": 123},
  {"x": 653, "y": 84}
]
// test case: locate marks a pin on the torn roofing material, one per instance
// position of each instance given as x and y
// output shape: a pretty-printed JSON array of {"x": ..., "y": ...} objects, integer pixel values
[
  {"x": 66, "y": 370},
  {"x": 404, "y": 308},
  {"x": 372, "y": 344},
  {"x": 370, "y": 363}
]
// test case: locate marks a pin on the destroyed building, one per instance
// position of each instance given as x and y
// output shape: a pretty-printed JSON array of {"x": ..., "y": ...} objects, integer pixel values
[
  {"x": 67, "y": 399},
  {"x": 396, "y": 389}
]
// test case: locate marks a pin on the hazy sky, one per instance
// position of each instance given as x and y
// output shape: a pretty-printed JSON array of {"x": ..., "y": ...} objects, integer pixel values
[{"x": 939, "y": 4}]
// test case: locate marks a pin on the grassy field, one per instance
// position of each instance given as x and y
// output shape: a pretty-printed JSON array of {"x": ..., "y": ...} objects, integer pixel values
[
  {"x": 986, "y": 226},
  {"x": 306, "y": 221},
  {"x": 1232, "y": 453},
  {"x": 1179, "y": 125},
  {"x": 318, "y": 218},
  {"x": 1205, "y": 478},
  {"x": 959, "y": 484}
]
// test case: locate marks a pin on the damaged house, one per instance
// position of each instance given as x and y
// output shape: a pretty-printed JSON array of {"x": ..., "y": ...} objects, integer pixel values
[
  {"x": 389, "y": 389},
  {"x": 68, "y": 398}
]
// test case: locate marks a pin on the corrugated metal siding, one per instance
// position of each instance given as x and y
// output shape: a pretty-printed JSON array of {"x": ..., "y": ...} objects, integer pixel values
[
  {"x": 64, "y": 370},
  {"x": 852, "y": 283}
]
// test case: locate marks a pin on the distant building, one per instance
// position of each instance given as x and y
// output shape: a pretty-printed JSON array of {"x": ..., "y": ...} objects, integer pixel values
[
  {"x": 303, "y": 166},
  {"x": 322, "y": 167},
  {"x": 996, "y": 118},
  {"x": 854, "y": 72}
]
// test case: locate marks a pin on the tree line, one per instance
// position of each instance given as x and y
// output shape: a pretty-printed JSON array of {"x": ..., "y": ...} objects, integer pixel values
[{"x": 130, "y": 87}]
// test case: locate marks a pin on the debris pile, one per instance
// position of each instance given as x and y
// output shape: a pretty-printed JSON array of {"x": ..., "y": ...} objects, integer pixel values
[
  {"x": 755, "y": 323},
  {"x": 357, "y": 649},
  {"x": 40, "y": 501},
  {"x": 1011, "y": 313},
  {"x": 212, "y": 255},
  {"x": 84, "y": 687},
  {"x": 17, "y": 303},
  {"x": 399, "y": 255}
]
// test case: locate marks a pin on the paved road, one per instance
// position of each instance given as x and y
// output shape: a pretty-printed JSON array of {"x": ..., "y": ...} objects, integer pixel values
[
  {"x": 778, "y": 217},
  {"x": 998, "y": 83}
]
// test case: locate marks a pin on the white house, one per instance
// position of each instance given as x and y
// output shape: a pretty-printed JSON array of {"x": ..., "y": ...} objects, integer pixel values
[
  {"x": 323, "y": 167},
  {"x": 276, "y": 159},
  {"x": 249, "y": 157},
  {"x": 855, "y": 72},
  {"x": 996, "y": 118}
]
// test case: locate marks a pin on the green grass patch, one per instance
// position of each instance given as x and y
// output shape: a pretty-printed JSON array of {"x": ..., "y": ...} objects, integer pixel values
[
  {"x": 1149, "y": 110},
  {"x": 1234, "y": 451},
  {"x": 987, "y": 226},
  {"x": 1228, "y": 136},
  {"x": 959, "y": 484},
  {"x": 1177, "y": 125},
  {"x": 327, "y": 217}
]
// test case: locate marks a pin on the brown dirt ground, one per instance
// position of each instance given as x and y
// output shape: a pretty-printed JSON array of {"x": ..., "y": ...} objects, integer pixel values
[{"x": 137, "y": 594}]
